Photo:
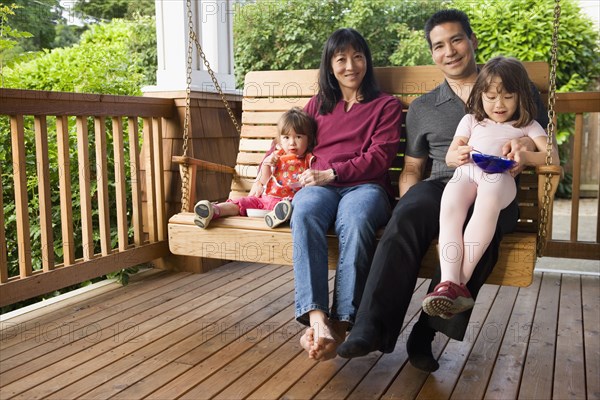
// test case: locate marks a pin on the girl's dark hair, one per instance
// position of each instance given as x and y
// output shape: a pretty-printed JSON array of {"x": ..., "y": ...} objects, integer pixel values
[
  {"x": 514, "y": 80},
  {"x": 329, "y": 89},
  {"x": 299, "y": 121},
  {"x": 443, "y": 16}
]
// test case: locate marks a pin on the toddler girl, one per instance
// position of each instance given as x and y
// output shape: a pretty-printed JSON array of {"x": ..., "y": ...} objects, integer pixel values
[{"x": 277, "y": 180}]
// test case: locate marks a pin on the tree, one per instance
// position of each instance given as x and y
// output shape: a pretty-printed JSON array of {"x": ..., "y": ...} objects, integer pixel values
[
  {"x": 37, "y": 17},
  {"x": 8, "y": 36},
  {"x": 106, "y": 10}
]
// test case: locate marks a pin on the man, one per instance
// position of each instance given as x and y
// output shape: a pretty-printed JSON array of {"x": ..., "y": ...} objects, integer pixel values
[{"x": 431, "y": 123}]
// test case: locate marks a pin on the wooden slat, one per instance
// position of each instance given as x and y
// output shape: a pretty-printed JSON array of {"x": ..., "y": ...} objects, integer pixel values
[
  {"x": 291, "y": 83},
  {"x": 590, "y": 299},
  {"x": 136, "y": 185},
  {"x": 576, "y": 184},
  {"x": 271, "y": 104},
  {"x": 569, "y": 372},
  {"x": 537, "y": 374},
  {"x": 102, "y": 184},
  {"x": 120, "y": 179},
  {"x": 159, "y": 180},
  {"x": 44, "y": 198},
  {"x": 508, "y": 368},
  {"x": 259, "y": 131},
  {"x": 17, "y": 133},
  {"x": 3, "y": 254},
  {"x": 266, "y": 117},
  {"x": 260, "y": 145},
  {"x": 66, "y": 198},
  {"x": 85, "y": 188},
  {"x": 149, "y": 165}
]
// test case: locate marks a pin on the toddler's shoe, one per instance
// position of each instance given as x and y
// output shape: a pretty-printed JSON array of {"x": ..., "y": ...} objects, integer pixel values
[
  {"x": 204, "y": 213},
  {"x": 447, "y": 299},
  {"x": 280, "y": 214}
]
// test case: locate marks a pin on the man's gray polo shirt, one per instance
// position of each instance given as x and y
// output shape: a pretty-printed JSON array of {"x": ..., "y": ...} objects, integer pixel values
[{"x": 430, "y": 127}]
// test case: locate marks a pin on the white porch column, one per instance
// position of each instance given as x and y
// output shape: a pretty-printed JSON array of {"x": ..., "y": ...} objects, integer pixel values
[{"x": 212, "y": 21}]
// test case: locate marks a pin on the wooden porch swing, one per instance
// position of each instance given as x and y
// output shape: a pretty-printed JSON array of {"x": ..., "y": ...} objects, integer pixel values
[{"x": 267, "y": 94}]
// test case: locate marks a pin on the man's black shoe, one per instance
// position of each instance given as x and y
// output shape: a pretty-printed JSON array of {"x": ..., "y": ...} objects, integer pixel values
[{"x": 418, "y": 348}]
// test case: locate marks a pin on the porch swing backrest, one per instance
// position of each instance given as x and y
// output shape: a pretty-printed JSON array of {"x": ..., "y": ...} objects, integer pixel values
[{"x": 268, "y": 94}]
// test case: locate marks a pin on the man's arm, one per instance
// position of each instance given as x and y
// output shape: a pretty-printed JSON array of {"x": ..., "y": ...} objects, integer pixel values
[{"x": 412, "y": 173}]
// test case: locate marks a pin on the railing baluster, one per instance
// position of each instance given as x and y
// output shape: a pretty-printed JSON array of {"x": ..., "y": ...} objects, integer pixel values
[
  {"x": 102, "y": 185},
  {"x": 45, "y": 201},
  {"x": 85, "y": 189},
  {"x": 121, "y": 195},
  {"x": 136, "y": 184},
  {"x": 3, "y": 255},
  {"x": 577, "y": 149},
  {"x": 150, "y": 177},
  {"x": 17, "y": 132},
  {"x": 159, "y": 180},
  {"x": 66, "y": 197}
]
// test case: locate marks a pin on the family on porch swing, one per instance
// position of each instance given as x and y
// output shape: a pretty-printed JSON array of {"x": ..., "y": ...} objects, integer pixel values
[{"x": 329, "y": 169}]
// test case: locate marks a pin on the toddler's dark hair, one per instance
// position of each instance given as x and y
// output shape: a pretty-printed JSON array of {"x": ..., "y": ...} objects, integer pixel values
[{"x": 300, "y": 122}]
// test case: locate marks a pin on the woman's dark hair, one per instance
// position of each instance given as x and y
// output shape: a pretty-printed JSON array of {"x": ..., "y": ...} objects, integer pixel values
[
  {"x": 514, "y": 80},
  {"x": 329, "y": 89},
  {"x": 443, "y": 16},
  {"x": 300, "y": 122}
]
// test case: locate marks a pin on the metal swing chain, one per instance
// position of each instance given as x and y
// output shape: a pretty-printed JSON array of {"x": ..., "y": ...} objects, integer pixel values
[
  {"x": 193, "y": 38},
  {"x": 545, "y": 211}
]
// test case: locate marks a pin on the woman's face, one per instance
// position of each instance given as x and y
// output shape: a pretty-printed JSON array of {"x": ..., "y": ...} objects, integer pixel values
[{"x": 349, "y": 68}]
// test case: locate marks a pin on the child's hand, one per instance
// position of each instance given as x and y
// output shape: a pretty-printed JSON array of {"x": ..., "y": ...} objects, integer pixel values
[
  {"x": 271, "y": 160},
  {"x": 464, "y": 154},
  {"x": 257, "y": 189}
]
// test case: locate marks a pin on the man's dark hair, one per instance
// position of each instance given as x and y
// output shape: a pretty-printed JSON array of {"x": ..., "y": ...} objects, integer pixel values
[{"x": 443, "y": 16}]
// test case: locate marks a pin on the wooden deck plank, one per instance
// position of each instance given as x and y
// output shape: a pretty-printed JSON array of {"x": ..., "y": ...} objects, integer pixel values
[
  {"x": 538, "y": 372},
  {"x": 441, "y": 383},
  {"x": 505, "y": 379},
  {"x": 230, "y": 333},
  {"x": 79, "y": 351},
  {"x": 164, "y": 351},
  {"x": 478, "y": 369},
  {"x": 34, "y": 333},
  {"x": 569, "y": 370},
  {"x": 591, "y": 323},
  {"x": 381, "y": 376}
]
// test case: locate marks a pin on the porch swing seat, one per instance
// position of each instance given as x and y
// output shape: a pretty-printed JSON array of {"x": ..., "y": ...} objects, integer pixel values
[{"x": 267, "y": 94}]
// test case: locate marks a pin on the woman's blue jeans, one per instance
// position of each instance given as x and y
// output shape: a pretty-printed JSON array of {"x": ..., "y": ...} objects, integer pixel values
[{"x": 356, "y": 213}]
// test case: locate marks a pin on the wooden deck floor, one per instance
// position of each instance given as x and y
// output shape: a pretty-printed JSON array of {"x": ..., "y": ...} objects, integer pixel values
[{"x": 230, "y": 334}]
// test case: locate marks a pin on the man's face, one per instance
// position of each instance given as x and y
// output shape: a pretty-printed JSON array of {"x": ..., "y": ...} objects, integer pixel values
[{"x": 453, "y": 51}]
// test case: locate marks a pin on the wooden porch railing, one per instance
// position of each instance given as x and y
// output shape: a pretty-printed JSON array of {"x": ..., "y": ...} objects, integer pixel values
[
  {"x": 578, "y": 103},
  {"x": 50, "y": 116}
]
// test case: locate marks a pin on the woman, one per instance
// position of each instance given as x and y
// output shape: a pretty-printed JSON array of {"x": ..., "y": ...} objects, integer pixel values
[{"x": 347, "y": 188}]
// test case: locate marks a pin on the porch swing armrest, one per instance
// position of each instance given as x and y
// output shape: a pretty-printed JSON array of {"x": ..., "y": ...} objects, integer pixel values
[
  {"x": 193, "y": 165},
  {"x": 202, "y": 165}
]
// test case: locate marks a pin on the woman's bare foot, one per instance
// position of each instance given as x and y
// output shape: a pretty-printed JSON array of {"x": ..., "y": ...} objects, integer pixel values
[
  {"x": 325, "y": 343},
  {"x": 307, "y": 340}
]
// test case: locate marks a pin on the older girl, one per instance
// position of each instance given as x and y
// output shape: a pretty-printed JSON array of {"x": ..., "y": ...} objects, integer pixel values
[{"x": 501, "y": 108}]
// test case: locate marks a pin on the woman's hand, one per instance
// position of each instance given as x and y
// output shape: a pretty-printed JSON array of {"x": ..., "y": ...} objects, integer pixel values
[{"x": 312, "y": 177}]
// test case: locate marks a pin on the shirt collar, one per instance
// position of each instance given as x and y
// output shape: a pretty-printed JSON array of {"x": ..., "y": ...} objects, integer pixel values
[{"x": 445, "y": 93}]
